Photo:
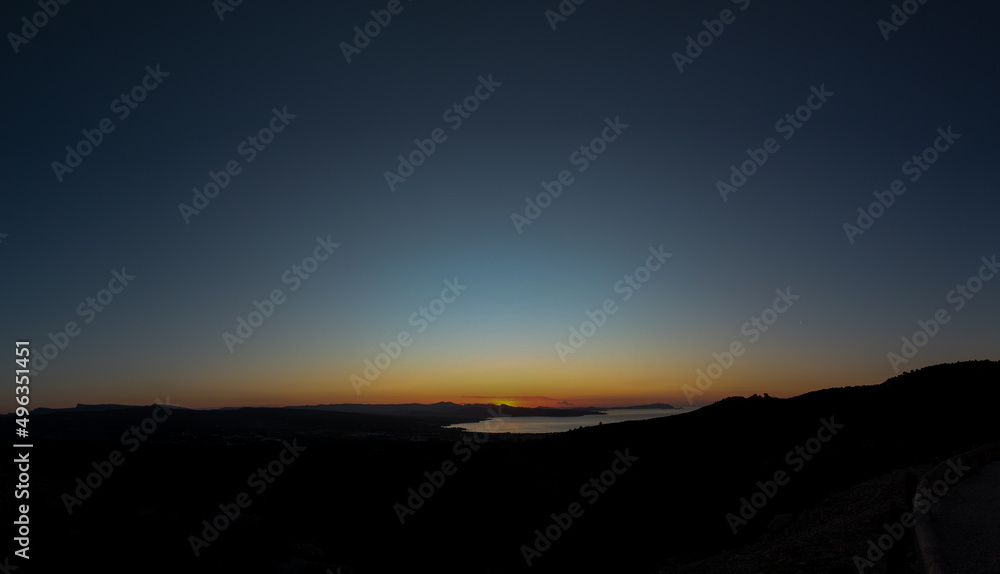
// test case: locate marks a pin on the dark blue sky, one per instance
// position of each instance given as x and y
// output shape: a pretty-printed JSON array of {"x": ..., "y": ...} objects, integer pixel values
[{"x": 323, "y": 176}]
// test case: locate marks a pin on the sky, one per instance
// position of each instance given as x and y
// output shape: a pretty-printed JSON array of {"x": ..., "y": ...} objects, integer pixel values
[{"x": 463, "y": 269}]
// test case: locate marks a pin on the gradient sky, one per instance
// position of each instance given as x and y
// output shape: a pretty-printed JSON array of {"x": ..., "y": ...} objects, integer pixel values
[{"x": 323, "y": 176}]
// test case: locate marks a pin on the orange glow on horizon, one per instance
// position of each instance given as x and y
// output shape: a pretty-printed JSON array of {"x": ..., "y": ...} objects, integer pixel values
[{"x": 562, "y": 386}]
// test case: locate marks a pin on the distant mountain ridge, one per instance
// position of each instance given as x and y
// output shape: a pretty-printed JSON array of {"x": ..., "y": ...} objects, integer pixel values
[
  {"x": 477, "y": 411},
  {"x": 85, "y": 408},
  {"x": 449, "y": 409},
  {"x": 443, "y": 408}
]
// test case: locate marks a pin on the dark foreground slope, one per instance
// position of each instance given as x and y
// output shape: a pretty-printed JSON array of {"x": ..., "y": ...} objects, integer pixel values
[{"x": 333, "y": 504}]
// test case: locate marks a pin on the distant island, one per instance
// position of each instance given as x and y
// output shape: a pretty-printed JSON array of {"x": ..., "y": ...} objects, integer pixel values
[
  {"x": 470, "y": 412},
  {"x": 652, "y": 406}
]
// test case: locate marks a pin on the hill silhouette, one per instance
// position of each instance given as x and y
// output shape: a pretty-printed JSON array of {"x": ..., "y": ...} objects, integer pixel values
[{"x": 336, "y": 505}]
